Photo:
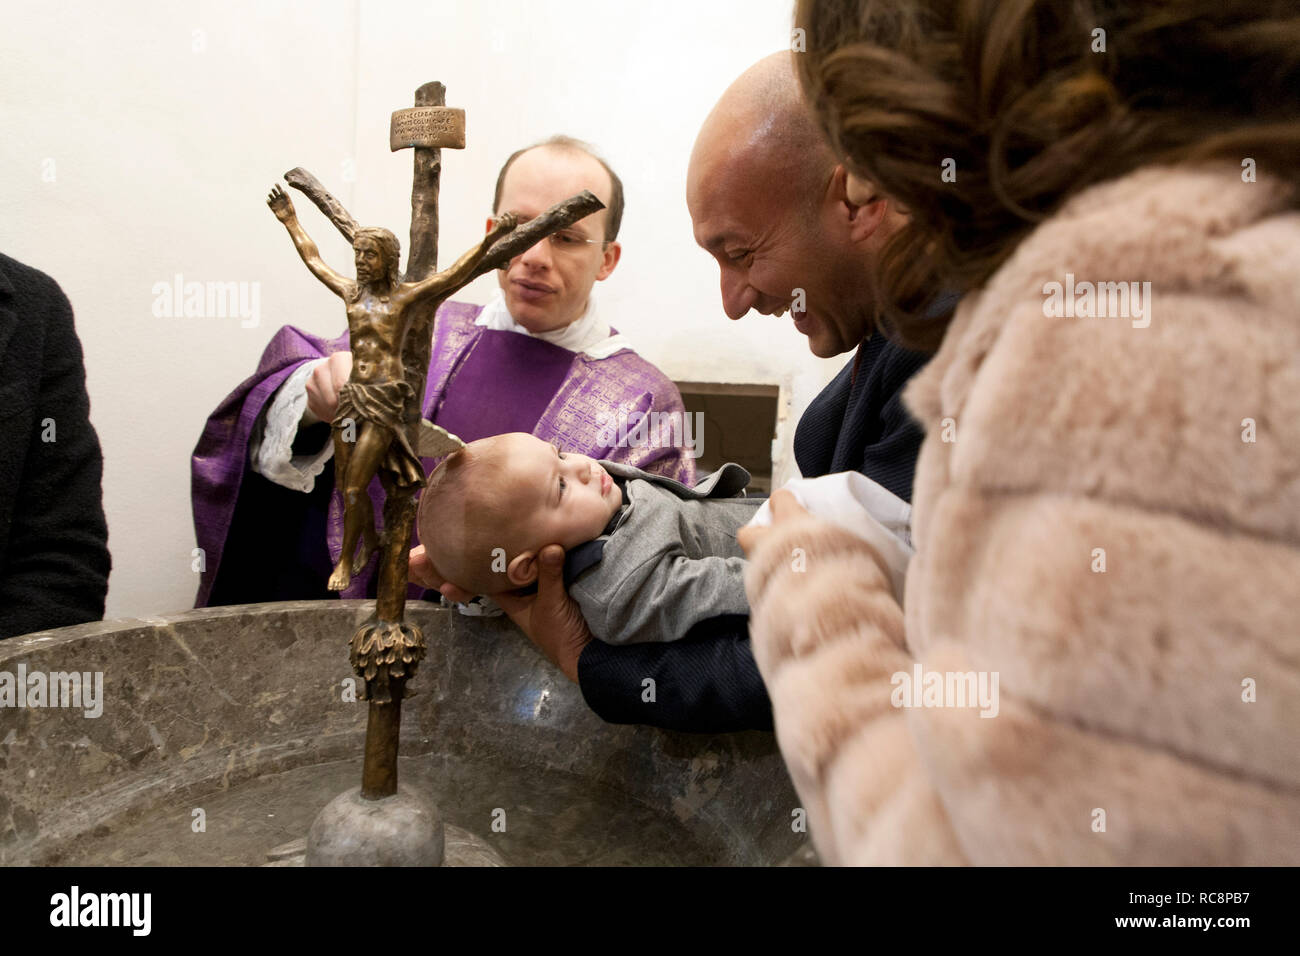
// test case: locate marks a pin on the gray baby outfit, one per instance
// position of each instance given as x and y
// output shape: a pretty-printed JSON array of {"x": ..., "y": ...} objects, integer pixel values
[{"x": 668, "y": 558}]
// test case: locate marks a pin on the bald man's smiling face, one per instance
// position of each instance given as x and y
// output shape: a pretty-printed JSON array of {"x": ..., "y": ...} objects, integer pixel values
[
  {"x": 780, "y": 216},
  {"x": 756, "y": 239},
  {"x": 774, "y": 230}
]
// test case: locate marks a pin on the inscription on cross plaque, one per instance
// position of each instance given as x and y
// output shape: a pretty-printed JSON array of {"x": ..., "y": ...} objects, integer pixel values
[{"x": 429, "y": 127}]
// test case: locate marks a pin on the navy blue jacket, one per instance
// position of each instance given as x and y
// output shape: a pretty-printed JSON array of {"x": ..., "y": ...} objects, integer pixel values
[{"x": 708, "y": 681}]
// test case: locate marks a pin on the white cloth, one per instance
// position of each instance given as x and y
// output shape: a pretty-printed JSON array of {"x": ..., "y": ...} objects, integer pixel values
[
  {"x": 588, "y": 335},
  {"x": 859, "y": 505},
  {"x": 270, "y": 448}
]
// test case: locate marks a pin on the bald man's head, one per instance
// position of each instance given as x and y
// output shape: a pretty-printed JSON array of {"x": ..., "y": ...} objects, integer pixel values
[
  {"x": 769, "y": 201},
  {"x": 761, "y": 131}
]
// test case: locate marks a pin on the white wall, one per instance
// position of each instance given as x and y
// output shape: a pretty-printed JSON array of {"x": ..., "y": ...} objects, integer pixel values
[{"x": 139, "y": 141}]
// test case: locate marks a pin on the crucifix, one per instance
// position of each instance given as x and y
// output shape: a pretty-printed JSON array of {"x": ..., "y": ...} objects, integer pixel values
[{"x": 378, "y": 430}]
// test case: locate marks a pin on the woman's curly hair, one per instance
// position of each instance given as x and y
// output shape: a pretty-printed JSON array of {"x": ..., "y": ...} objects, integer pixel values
[{"x": 1034, "y": 101}]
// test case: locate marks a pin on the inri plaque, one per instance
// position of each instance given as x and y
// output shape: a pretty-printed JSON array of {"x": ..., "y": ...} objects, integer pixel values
[{"x": 427, "y": 126}]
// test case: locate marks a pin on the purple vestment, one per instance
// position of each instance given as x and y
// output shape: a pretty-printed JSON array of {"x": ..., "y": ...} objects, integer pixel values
[{"x": 570, "y": 398}]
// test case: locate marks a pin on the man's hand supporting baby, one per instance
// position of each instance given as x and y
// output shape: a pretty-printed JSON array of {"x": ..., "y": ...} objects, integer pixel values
[{"x": 550, "y": 618}]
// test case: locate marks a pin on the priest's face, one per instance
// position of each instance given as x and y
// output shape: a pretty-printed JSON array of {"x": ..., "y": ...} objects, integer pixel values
[
  {"x": 547, "y": 287},
  {"x": 784, "y": 242}
]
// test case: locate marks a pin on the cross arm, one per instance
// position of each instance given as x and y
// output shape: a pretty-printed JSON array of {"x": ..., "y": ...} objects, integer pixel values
[
  {"x": 310, "y": 187},
  {"x": 560, "y": 216}
]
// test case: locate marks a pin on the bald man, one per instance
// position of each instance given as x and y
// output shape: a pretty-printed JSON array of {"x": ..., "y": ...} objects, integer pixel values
[
  {"x": 772, "y": 206},
  {"x": 788, "y": 225},
  {"x": 540, "y": 357},
  {"x": 779, "y": 214}
]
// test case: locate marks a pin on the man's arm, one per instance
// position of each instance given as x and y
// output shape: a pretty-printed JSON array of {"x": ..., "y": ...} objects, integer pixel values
[
  {"x": 705, "y": 683},
  {"x": 56, "y": 564}
]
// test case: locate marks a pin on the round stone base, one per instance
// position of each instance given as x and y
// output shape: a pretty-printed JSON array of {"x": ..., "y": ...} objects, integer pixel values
[{"x": 402, "y": 830}]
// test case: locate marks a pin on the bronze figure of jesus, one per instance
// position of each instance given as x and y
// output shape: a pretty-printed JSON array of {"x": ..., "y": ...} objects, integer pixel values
[
  {"x": 369, "y": 431},
  {"x": 377, "y": 427}
]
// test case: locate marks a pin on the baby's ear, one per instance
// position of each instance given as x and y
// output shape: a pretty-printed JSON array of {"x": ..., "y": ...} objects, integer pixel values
[{"x": 522, "y": 570}]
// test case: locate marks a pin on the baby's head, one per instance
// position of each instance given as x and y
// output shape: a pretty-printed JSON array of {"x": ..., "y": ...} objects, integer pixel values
[{"x": 490, "y": 508}]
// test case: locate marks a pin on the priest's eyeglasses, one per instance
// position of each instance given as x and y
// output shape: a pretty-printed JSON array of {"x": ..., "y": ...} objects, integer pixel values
[{"x": 569, "y": 241}]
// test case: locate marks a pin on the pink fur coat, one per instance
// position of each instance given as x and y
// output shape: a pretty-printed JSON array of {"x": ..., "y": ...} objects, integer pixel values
[{"x": 1107, "y": 518}]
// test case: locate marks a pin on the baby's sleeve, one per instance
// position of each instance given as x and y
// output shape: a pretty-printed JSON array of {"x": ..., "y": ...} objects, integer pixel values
[{"x": 660, "y": 598}]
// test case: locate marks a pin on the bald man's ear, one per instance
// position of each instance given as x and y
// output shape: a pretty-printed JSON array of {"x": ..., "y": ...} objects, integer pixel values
[{"x": 864, "y": 208}]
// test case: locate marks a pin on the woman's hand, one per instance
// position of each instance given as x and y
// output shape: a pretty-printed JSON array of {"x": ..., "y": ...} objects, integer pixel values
[{"x": 785, "y": 509}]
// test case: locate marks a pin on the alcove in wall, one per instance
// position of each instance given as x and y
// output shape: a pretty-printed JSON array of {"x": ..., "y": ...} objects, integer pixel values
[{"x": 734, "y": 422}]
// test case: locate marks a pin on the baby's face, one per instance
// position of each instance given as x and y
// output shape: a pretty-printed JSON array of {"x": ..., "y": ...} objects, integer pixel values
[{"x": 562, "y": 498}]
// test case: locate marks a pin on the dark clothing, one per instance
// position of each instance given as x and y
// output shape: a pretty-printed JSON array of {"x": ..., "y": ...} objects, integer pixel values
[
  {"x": 708, "y": 682},
  {"x": 861, "y": 424},
  {"x": 298, "y": 567},
  {"x": 54, "y": 559}
]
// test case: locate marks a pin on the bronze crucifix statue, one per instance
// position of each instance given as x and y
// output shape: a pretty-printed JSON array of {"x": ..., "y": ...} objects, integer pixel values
[
  {"x": 377, "y": 429},
  {"x": 369, "y": 426}
]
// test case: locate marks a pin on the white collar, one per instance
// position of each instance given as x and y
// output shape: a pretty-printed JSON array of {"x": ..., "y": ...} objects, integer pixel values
[{"x": 588, "y": 334}]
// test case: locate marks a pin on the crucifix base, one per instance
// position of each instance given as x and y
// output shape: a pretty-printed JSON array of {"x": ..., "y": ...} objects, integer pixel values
[
  {"x": 404, "y": 829},
  {"x": 380, "y": 823}
]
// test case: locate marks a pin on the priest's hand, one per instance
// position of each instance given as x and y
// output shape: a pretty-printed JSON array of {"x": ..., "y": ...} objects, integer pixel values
[
  {"x": 550, "y": 618},
  {"x": 323, "y": 387}
]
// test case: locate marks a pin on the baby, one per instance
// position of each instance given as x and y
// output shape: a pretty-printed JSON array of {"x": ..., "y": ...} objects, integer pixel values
[{"x": 646, "y": 557}]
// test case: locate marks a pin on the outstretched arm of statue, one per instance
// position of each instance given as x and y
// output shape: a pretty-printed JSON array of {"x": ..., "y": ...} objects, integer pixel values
[
  {"x": 282, "y": 206},
  {"x": 462, "y": 270}
]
